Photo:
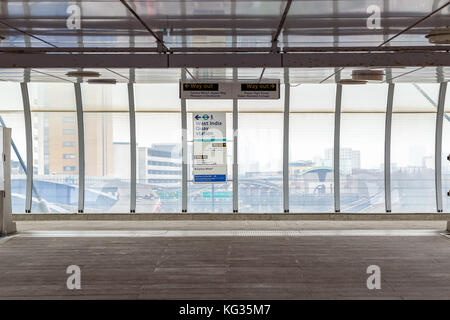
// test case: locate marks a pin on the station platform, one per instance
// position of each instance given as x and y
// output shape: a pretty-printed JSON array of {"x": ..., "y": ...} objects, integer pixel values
[{"x": 226, "y": 259}]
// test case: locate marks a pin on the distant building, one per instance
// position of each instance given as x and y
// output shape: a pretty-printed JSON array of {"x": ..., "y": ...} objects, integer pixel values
[
  {"x": 349, "y": 160},
  {"x": 161, "y": 163}
]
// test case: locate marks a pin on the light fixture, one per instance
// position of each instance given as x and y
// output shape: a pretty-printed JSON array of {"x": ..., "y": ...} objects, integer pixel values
[
  {"x": 102, "y": 81},
  {"x": 368, "y": 75},
  {"x": 439, "y": 36},
  {"x": 351, "y": 81},
  {"x": 83, "y": 74}
]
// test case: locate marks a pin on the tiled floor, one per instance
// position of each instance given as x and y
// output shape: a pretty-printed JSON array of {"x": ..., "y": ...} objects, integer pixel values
[{"x": 218, "y": 267}]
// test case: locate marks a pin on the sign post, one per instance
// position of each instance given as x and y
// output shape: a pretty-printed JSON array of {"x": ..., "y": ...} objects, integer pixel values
[{"x": 210, "y": 147}]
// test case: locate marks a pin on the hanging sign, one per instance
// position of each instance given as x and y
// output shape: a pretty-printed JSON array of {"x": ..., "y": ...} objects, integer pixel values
[
  {"x": 210, "y": 147},
  {"x": 190, "y": 90},
  {"x": 267, "y": 89}
]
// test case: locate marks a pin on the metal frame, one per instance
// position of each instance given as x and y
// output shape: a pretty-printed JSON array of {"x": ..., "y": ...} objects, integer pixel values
[
  {"x": 387, "y": 148},
  {"x": 81, "y": 148},
  {"x": 438, "y": 146},
  {"x": 132, "y": 115},
  {"x": 235, "y": 150},
  {"x": 286, "y": 141},
  {"x": 336, "y": 150},
  {"x": 29, "y": 143},
  {"x": 224, "y": 60},
  {"x": 184, "y": 150}
]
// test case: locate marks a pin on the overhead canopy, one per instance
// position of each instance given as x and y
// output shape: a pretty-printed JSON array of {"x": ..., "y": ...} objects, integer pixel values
[{"x": 215, "y": 36}]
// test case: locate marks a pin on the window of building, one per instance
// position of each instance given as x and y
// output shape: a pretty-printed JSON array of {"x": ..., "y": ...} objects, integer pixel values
[
  {"x": 69, "y": 131},
  {"x": 69, "y": 143}
]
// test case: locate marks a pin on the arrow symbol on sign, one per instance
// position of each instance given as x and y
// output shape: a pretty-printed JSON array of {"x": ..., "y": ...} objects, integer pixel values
[{"x": 197, "y": 117}]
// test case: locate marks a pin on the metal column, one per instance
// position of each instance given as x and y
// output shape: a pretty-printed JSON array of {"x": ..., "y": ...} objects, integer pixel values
[
  {"x": 132, "y": 148},
  {"x": 286, "y": 141},
  {"x": 387, "y": 149},
  {"x": 438, "y": 146},
  {"x": 235, "y": 151},
  {"x": 81, "y": 155},
  {"x": 184, "y": 150},
  {"x": 337, "y": 140},
  {"x": 29, "y": 142}
]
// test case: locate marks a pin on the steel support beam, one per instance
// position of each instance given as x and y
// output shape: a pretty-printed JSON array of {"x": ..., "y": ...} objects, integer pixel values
[
  {"x": 336, "y": 153},
  {"x": 176, "y": 50},
  {"x": 286, "y": 141},
  {"x": 387, "y": 148},
  {"x": 184, "y": 151},
  {"x": 438, "y": 146},
  {"x": 29, "y": 143},
  {"x": 81, "y": 154},
  {"x": 235, "y": 150},
  {"x": 133, "y": 180},
  {"x": 225, "y": 60}
]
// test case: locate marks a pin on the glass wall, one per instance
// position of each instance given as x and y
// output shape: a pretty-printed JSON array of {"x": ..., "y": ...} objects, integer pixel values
[
  {"x": 11, "y": 116},
  {"x": 362, "y": 148},
  {"x": 55, "y": 147},
  {"x": 107, "y": 148},
  {"x": 260, "y": 158},
  {"x": 311, "y": 185},
  {"x": 158, "y": 156},
  {"x": 412, "y": 148},
  {"x": 446, "y": 163},
  {"x": 260, "y": 150},
  {"x": 445, "y": 154}
]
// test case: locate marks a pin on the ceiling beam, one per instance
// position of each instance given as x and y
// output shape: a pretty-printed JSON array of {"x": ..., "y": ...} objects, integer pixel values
[
  {"x": 225, "y": 60},
  {"x": 281, "y": 24},
  {"x": 429, "y": 48},
  {"x": 134, "y": 13}
]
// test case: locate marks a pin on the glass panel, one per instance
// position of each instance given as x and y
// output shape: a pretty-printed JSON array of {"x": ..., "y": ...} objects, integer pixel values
[
  {"x": 157, "y": 97},
  {"x": 209, "y": 105},
  {"x": 210, "y": 197},
  {"x": 362, "y": 162},
  {"x": 313, "y": 98},
  {"x": 52, "y": 96},
  {"x": 158, "y": 137},
  {"x": 16, "y": 122},
  {"x": 107, "y": 149},
  {"x": 446, "y": 163},
  {"x": 11, "y": 96},
  {"x": 447, "y": 100},
  {"x": 364, "y": 98},
  {"x": 412, "y": 162},
  {"x": 412, "y": 97},
  {"x": 55, "y": 165},
  {"x": 260, "y": 162},
  {"x": 105, "y": 97},
  {"x": 311, "y": 162}
]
